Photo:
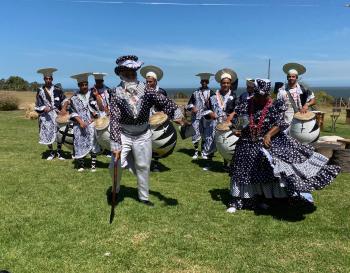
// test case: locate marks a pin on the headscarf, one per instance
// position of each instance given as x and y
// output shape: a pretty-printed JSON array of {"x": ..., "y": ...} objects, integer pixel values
[{"x": 262, "y": 87}]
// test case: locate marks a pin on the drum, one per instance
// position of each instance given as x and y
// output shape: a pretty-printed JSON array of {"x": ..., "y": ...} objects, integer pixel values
[
  {"x": 164, "y": 136},
  {"x": 102, "y": 132},
  {"x": 65, "y": 131},
  {"x": 304, "y": 128},
  {"x": 225, "y": 140}
]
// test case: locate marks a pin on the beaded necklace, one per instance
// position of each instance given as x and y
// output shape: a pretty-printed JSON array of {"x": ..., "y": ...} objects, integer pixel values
[{"x": 255, "y": 129}]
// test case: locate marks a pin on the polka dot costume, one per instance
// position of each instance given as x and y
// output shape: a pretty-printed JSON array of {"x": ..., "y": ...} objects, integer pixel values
[
  {"x": 291, "y": 167},
  {"x": 123, "y": 112}
]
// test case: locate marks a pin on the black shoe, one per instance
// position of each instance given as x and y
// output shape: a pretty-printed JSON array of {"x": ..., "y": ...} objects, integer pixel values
[{"x": 147, "y": 203}]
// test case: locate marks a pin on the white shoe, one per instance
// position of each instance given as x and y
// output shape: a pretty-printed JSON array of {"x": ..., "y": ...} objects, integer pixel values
[
  {"x": 60, "y": 157},
  {"x": 195, "y": 156},
  {"x": 50, "y": 157},
  {"x": 204, "y": 156},
  {"x": 93, "y": 170},
  {"x": 109, "y": 156},
  {"x": 206, "y": 168},
  {"x": 231, "y": 210},
  {"x": 80, "y": 170}
]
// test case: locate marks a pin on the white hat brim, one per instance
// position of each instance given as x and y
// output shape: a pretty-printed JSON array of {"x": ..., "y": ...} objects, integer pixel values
[
  {"x": 298, "y": 67},
  {"x": 152, "y": 68},
  {"x": 228, "y": 71}
]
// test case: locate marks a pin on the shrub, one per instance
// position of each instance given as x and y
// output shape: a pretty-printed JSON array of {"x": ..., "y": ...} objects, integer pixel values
[{"x": 8, "y": 102}]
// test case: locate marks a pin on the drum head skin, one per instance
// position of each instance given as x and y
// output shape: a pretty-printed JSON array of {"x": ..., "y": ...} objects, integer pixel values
[
  {"x": 223, "y": 127},
  {"x": 158, "y": 119},
  {"x": 101, "y": 123},
  {"x": 304, "y": 117},
  {"x": 298, "y": 67},
  {"x": 63, "y": 119}
]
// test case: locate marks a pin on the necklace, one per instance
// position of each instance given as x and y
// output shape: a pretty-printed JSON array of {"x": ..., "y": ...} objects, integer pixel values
[{"x": 255, "y": 129}]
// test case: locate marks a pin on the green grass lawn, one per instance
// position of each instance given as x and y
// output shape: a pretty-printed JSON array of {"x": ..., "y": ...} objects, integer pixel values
[{"x": 54, "y": 219}]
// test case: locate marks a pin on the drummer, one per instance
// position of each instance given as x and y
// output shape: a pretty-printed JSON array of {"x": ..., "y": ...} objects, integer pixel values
[
  {"x": 153, "y": 74},
  {"x": 223, "y": 102},
  {"x": 130, "y": 106},
  {"x": 83, "y": 129},
  {"x": 100, "y": 95},
  {"x": 50, "y": 102},
  {"x": 199, "y": 104},
  {"x": 297, "y": 97}
]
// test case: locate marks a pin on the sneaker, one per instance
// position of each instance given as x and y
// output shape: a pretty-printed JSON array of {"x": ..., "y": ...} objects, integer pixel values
[
  {"x": 50, "y": 157},
  {"x": 204, "y": 156},
  {"x": 109, "y": 155},
  {"x": 195, "y": 156},
  {"x": 93, "y": 169},
  {"x": 231, "y": 210},
  {"x": 80, "y": 170},
  {"x": 206, "y": 168},
  {"x": 60, "y": 157}
]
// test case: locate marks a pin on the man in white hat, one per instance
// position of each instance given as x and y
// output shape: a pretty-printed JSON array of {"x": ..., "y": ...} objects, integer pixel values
[
  {"x": 50, "y": 101},
  {"x": 153, "y": 74},
  {"x": 100, "y": 95},
  {"x": 83, "y": 129},
  {"x": 130, "y": 106},
  {"x": 295, "y": 95},
  {"x": 224, "y": 101},
  {"x": 199, "y": 105},
  {"x": 297, "y": 98}
]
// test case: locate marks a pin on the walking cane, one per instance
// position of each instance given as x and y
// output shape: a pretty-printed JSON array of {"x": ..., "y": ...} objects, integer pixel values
[{"x": 114, "y": 190}]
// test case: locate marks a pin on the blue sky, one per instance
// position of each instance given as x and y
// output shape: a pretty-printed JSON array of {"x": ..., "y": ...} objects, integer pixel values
[{"x": 182, "y": 37}]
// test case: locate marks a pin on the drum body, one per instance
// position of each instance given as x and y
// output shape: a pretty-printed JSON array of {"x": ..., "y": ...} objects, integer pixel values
[
  {"x": 164, "y": 135},
  {"x": 65, "y": 134},
  {"x": 103, "y": 133},
  {"x": 225, "y": 140},
  {"x": 305, "y": 131}
]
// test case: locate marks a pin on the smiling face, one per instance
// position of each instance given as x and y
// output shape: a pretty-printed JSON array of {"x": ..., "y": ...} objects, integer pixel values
[
  {"x": 225, "y": 84},
  {"x": 151, "y": 82},
  {"x": 292, "y": 79}
]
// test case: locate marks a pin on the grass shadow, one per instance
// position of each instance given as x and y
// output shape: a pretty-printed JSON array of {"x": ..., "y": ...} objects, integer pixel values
[
  {"x": 279, "y": 209},
  {"x": 214, "y": 166},
  {"x": 129, "y": 192},
  {"x": 160, "y": 167},
  {"x": 189, "y": 152}
]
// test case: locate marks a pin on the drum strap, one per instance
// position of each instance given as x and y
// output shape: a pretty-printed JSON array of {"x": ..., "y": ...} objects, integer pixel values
[
  {"x": 69, "y": 125},
  {"x": 295, "y": 107}
]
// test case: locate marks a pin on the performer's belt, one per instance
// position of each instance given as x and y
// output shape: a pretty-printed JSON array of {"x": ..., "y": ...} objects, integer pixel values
[{"x": 134, "y": 130}]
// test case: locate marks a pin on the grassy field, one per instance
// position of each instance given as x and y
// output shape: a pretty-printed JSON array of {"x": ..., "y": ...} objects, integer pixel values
[{"x": 54, "y": 219}]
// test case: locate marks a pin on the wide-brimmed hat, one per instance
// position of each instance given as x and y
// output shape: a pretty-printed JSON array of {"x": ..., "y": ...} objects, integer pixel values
[
  {"x": 225, "y": 73},
  {"x": 205, "y": 76},
  {"x": 152, "y": 71},
  {"x": 47, "y": 72},
  {"x": 299, "y": 68},
  {"x": 82, "y": 77}
]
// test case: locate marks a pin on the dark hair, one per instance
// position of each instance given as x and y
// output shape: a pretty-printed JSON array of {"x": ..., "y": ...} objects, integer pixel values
[{"x": 4, "y": 271}]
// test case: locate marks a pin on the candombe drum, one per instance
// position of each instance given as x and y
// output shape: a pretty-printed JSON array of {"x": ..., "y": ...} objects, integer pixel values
[
  {"x": 65, "y": 131},
  {"x": 164, "y": 136},
  {"x": 225, "y": 140},
  {"x": 102, "y": 132},
  {"x": 304, "y": 128}
]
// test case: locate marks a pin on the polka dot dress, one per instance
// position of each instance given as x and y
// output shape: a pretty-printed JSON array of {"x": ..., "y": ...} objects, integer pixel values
[{"x": 293, "y": 168}]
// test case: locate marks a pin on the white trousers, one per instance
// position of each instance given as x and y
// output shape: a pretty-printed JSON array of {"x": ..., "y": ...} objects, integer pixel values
[{"x": 136, "y": 155}]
